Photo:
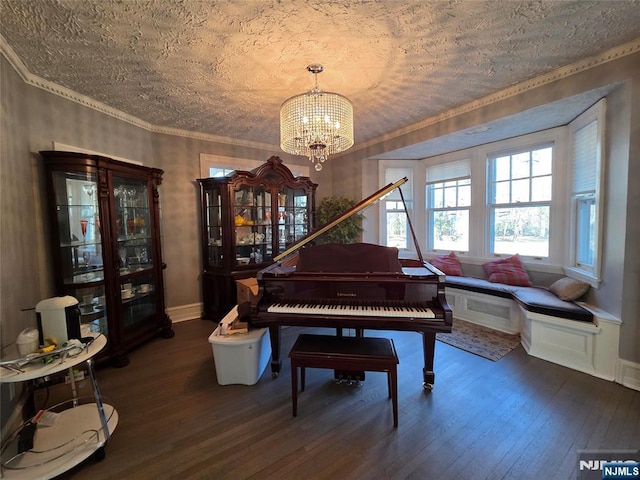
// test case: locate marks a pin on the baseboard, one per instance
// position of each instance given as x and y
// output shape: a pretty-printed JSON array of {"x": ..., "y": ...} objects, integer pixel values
[
  {"x": 185, "y": 312},
  {"x": 628, "y": 374}
]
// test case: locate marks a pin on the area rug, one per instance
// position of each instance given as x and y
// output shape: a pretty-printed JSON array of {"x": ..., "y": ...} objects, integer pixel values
[{"x": 479, "y": 340}]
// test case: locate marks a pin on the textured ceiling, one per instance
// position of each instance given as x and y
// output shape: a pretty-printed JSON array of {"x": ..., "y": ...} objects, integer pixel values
[{"x": 224, "y": 68}]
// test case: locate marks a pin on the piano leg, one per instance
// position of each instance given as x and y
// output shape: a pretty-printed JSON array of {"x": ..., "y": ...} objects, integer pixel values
[
  {"x": 276, "y": 362},
  {"x": 429, "y": 349}
]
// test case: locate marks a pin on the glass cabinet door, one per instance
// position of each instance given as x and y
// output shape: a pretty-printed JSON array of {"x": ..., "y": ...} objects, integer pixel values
[
  {"x": 213, "y": 226},
  {"x": 251, "y": 217},
  {"x": 134, "y": 241},
  {"x": 80, "y": 244},
  {"x": 243, "y": 220},
  {"x": 293, "y": 207},
  {"x": 263, "y": 241}
]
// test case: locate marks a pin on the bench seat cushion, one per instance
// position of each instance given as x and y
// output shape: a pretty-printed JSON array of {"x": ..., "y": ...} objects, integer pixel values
[
  {"x": 540, "y": 300},
  {"x": 480, "y": 285},
  {"x": 533, "y": 299}
]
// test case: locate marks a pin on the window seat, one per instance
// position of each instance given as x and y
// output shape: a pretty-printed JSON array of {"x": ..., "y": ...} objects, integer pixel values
[
  {"x": 533, "y": 299},
  {"x": 572, "y": 334}
]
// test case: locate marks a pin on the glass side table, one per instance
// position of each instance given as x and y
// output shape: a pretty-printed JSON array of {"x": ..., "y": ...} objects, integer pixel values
[{"x": 79, "y": 431}]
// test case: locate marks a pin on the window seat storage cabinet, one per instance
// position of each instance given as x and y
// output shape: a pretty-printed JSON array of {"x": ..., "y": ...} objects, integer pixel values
[{"x": 572, "y": 334}]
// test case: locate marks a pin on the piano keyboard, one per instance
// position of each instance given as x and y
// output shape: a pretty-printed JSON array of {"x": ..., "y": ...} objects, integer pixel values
[{"x": 352, "y": 310}]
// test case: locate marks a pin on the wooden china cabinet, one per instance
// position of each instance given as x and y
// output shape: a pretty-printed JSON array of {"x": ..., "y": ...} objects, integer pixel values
[
  {"x": 247, "y": 219},
  {"x": 104, "y": 219}
]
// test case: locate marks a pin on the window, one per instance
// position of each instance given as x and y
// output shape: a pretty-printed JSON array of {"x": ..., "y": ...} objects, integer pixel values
[
  {"x": 397, "y": 225},
  {"x": 586, "y": 172},
  {"x": 448, "y": 199},
  {"x": 215, "y": 172},
  {"x": 538, "y": 195},
  {"x": 519, "y": 202}
]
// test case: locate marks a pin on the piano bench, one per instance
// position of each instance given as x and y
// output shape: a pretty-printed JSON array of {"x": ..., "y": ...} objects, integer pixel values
[{"x": 344, "y": 353}]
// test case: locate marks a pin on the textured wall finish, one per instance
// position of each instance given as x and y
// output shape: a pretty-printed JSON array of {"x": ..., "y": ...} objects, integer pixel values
[{"x": 224, "y": 68}]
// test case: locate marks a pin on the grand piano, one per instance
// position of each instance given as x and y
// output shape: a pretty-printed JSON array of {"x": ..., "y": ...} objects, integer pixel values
[{"x": 358, "y": 286}]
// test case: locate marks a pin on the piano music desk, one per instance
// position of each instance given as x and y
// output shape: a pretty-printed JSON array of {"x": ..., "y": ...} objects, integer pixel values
[{"x": 344, "y": 353}]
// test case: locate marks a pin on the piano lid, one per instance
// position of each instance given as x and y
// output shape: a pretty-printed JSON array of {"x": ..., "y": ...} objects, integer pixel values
[{"x": 362, "y": 205}]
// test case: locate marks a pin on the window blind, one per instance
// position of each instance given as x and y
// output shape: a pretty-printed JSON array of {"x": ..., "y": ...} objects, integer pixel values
[
  {"x": 449, "y": 171},
  {"x": 585, "y": 148},
  {"x": 394, "y": 174}
]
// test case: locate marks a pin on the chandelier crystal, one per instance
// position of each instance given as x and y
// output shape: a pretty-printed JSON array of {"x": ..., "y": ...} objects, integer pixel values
[{"x": 316, "y": 124}]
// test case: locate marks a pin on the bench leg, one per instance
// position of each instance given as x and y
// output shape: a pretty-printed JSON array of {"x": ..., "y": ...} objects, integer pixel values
[
  {"x": 303, "y": 378},
  {"x": 393, "y": 378}
]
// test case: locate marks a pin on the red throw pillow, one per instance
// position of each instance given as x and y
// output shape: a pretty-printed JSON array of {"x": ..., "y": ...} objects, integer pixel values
[
  {"x": 448, "y": 264},
  {"x": 509, "y": 271}
]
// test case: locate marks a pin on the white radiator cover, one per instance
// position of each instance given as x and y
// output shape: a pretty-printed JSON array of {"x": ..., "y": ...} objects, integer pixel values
[{"x": 587, "y": 347}]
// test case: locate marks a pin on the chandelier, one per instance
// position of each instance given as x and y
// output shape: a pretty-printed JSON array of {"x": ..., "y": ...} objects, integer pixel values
[{"x": 316, "y": 124}]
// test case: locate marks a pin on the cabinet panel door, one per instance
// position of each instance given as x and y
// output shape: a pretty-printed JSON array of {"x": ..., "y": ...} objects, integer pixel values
[
  {"x": 79, "y": 243},
  {"x": 213, "y": 227},
  {"x": 134, "y": 241}
]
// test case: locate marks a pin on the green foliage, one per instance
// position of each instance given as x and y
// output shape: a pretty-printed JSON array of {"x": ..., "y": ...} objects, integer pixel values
[{"x": 348, "y": 231}]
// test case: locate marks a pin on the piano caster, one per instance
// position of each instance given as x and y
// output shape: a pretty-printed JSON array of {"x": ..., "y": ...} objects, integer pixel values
[
  {"x": 427, "y": 386},
  {"x": 274, "y": 375}
]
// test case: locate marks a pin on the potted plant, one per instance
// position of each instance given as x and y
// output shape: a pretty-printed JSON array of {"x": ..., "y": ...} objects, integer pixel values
[{"x": 347, "y": 231}]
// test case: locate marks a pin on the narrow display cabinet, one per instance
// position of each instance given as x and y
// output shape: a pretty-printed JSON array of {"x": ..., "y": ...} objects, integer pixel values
[
  {"x": 106, "y": 246},
  {"x": 247, "y": 219}
]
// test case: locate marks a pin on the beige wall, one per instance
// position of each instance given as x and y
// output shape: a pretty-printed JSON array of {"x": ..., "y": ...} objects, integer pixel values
[{"x": 20, "y": 250}]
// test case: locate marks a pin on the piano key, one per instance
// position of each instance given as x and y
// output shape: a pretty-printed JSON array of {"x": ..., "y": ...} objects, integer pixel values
[{"x": 351, "y": 310}]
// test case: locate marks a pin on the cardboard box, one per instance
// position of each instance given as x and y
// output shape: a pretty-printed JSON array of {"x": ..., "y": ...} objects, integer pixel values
[{"x": 247, "y": 290}]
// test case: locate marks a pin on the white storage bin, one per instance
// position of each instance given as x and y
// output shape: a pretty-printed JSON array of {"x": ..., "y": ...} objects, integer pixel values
[{"x": 240, "y": 359}]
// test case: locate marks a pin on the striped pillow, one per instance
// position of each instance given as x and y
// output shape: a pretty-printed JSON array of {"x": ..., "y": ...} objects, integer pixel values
[
  {"x": 509, "y": 271},
  {"x": 448, "y": 264}
]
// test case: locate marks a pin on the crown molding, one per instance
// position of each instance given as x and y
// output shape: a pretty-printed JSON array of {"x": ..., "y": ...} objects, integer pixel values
[
  {"x": 38, "y": 82},
  {"x": 557, "y": 74}
]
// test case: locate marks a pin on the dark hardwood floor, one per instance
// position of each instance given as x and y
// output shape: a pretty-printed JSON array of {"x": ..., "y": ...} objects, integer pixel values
[{"x": 518, "y": 418}]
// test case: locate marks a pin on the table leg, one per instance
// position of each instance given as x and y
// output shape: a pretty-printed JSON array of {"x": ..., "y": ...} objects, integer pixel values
[{"x": 98, "y": 399}]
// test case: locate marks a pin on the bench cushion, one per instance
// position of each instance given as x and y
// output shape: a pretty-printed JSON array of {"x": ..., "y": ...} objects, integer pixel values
[
  {"x": 533, "y": 299},
  {"x": 311, "y": 344},
  {"x": 540, "y": 300},
  {"x": 481, "y": 286}
]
